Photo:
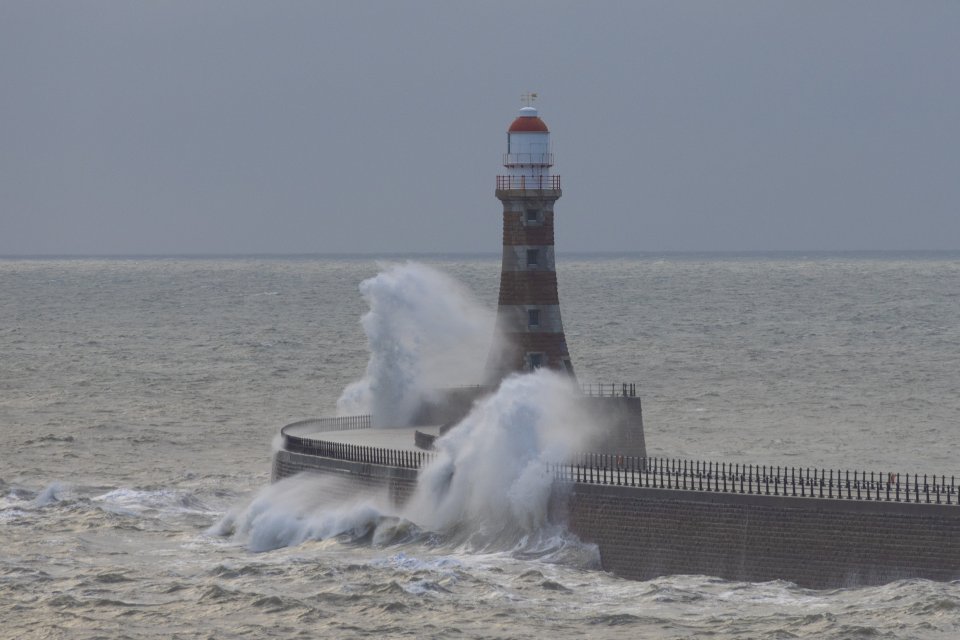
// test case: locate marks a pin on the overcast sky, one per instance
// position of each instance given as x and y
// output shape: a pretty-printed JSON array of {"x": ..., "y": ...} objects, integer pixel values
[{"x": 375, "y": 127}]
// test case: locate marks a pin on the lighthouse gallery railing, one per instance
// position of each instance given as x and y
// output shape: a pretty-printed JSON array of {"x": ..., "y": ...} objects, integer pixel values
[{"x": 528, "y": 183}]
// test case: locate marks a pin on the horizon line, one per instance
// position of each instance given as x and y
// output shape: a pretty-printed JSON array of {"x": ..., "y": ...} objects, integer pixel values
[{"x": 442, "y": 254}]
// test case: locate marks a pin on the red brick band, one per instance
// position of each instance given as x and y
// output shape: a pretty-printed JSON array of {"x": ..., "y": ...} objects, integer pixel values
[
  {"x": 528, "y": 287},
  {"x": 515, "y": 231}
]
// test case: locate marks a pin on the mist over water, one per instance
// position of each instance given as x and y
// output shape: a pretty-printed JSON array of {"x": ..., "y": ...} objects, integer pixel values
[{"x": 139, "y": 400}]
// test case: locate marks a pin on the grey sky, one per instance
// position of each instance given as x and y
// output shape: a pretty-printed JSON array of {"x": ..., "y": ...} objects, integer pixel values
[{"x": 276, "y": 127}]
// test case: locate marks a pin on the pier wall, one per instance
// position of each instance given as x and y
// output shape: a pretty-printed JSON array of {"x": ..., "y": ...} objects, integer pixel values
[
  {"x": 818, "y": 543},
  {"x": 399, "y": 482},
  {"x": 648, "y": 531}
]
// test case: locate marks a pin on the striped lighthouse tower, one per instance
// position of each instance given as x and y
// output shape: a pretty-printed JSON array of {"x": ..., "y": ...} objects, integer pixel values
[{"x": 528, "y": 313}]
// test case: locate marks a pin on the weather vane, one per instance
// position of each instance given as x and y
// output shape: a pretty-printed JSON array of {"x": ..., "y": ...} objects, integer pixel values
[{"x": 528, "y": 98}]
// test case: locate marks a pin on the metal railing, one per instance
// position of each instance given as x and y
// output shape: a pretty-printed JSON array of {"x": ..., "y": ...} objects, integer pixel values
[
  {"x": 320, "y": 425},
  {"x": 358, "y": 453},
  {"x": 611, "y": 390},
  {"x": 687, "y": 475},
  {"x": 724, "y": 477},
  {"x": 528, "y": 183}
]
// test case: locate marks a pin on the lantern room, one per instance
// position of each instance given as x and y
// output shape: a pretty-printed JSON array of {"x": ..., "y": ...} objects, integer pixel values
[{"x": 528, "y": 145}]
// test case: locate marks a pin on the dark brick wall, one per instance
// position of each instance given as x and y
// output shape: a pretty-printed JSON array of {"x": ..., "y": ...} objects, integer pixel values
[
  {"x": 552, "y": 345},
  {"x": 516, "y": 232},
  {"x": 645, "y": 533},
  {"x": 528, "y": 287}
]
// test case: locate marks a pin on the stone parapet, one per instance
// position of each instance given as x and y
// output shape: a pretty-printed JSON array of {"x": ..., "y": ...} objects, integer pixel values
[{"x": 528, "y": 194}]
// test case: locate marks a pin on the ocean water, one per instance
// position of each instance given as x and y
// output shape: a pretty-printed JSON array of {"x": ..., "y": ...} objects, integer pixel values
[{"x": 139, "y": 400}]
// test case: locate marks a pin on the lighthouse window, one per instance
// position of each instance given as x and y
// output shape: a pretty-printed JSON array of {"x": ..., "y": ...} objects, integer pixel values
[
  {"x": 533, "y": 257},
  {"x": 533, "y": 215},
  {"x": 535, "y": 359},
  {"x": 533, "y": 318}
]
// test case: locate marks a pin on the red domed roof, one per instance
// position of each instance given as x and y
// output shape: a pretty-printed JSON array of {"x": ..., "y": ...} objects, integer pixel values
[{"x": 528, "y": 123}]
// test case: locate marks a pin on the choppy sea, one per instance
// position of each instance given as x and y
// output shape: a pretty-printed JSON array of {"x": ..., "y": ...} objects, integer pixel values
[{"x": 139, "y": 399}]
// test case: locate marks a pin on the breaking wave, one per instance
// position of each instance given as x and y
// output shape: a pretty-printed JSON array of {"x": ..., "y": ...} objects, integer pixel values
[
  {"x": 487, "y": 491},
  {"x": 424, "y": 330}
]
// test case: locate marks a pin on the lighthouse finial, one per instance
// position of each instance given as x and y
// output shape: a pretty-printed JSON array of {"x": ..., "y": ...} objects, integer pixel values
[{"x": 528, "y": 98}]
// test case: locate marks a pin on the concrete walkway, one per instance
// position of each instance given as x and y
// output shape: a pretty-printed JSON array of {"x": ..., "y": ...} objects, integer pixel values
[{"x": 382, "y": 438}]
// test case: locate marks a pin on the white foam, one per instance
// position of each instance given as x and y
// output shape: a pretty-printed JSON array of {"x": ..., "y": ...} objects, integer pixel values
[
  {"x": 489, "y": 486},
  {"x": 488, "y": 489},
  {"x": 299, "y": 509},
  {"x": 51, "y": 494},
  {"x": 126, "y": 501},
  {"x": 490, "y": 480}
]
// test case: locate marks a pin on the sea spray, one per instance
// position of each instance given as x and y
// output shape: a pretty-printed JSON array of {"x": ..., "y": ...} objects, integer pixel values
[
  {"x": 53, "y": 493},
  {"x": 424, "y": 331},
  {"x": 490, "y": 485},
  {"x": 489, "y": 488},
  {"x": 305, "y": 507}
]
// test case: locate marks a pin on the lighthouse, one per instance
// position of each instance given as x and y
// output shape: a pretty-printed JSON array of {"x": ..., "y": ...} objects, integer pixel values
[{"x": 528, "y": 311}]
